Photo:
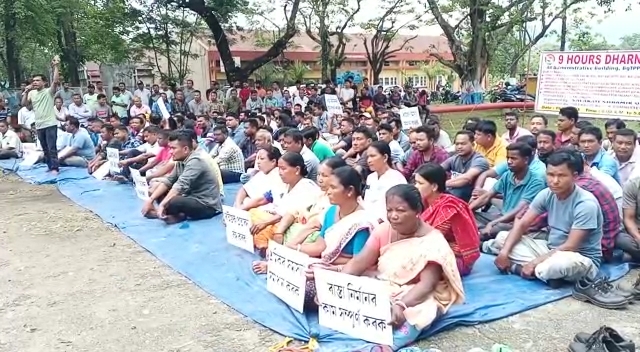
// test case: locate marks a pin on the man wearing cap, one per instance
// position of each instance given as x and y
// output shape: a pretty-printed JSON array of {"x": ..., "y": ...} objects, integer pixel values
[
  {"x": 91, "y": 98},
  {"x": 143, "y": 93}
]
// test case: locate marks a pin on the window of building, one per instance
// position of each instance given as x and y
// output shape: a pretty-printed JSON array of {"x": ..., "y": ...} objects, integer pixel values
[
  {"x": 412, "y": 63},
  {"x": 389, "y": 81},
  {"x": 418, "y": 81},
  {"x": 387, "y": 63}
]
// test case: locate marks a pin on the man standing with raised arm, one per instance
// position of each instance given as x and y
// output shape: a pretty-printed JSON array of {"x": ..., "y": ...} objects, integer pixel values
[{"x": 41, "y": 99}]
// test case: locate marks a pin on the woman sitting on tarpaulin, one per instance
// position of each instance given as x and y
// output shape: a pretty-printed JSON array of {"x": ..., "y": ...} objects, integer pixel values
[
  {"x": 417, "y": 263},
  {"x": 303, "y": 225}
]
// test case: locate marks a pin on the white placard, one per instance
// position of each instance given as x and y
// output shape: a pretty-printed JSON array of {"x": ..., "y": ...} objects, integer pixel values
[
  {"x": 333, "y": 104},
  {"x": 356, "y": 306},
  {"x": 30, "y": 158},
  {"x": 141, "y": 185},
  {"x": 238, "y": 227},
  {"x": 600, "y": 84},
  {"x": 286, "y": 277},
  {"x": 101, "y": 172},
  {"x": 163, "y": 109},
  {"x": 410, "y": 118},
  {"x": 113, "y": 158}
]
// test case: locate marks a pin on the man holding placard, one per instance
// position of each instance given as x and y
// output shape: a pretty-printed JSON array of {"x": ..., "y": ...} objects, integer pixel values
[
  {"x": 191, "y": 191},
  {"x": 108, "y": 141}
]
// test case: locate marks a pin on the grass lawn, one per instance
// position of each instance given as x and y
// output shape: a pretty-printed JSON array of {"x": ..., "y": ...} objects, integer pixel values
[{"x": 453, "y": 122}]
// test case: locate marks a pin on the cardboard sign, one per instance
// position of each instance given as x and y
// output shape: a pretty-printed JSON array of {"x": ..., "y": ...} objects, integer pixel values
[
  {"x": 238, "y": 227},
  {"x": 410, "y": 118},
  {"x": 286, "y": 277}
]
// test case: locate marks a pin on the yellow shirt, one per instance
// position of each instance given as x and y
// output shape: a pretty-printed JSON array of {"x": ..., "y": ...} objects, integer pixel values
[{"x": 495, "y": 154}]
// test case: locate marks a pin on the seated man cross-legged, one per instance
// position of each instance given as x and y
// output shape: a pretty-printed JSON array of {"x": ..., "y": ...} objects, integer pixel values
[
  {"x": 191, "y": 191},
  {"x": 81, "y": 150},
  {"x": 518, "y": 187},
  {"x": 572, "y": 251},
  {"x": 10, "y": 145}
]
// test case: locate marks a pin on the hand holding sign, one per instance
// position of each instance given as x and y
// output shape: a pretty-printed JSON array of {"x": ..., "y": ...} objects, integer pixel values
[
  {"x": 410, "y": 118},
  {"x": 238, "y": 227}
]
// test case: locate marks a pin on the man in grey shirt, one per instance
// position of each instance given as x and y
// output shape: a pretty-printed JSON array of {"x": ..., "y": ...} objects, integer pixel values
[
  {"x": 198, "y": 106},
  {"x": 188, "y": 91},
  {"x": 572, "y": 249},
  {"x": 464, "y": 167},
  {"x": 191, "y": 191},
  {"x": 66, "y": 94}
]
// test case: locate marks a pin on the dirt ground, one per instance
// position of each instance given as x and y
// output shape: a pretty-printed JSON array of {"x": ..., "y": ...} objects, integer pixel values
[{"x": 69, "y": 282}]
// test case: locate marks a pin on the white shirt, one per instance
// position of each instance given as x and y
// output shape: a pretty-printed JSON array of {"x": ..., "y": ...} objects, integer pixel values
[
  {"x": 26, "y": 117},
  {"x": 519, "y": 133},
  {"x": 63, "y": 140},
  {"x": 149, "y": 148},
  {"x": 82, "y": 113},
  {"x": 444, "y": 141},
  {"x": 11, "y": 141},
  {"x": 611, "y": 184},
  {"x": 628, "y": 169},
  {"x": 346, "y": 94},
  {"x": 61, "y": 114},
  {"x": 169, "y": 94},
  {"x": 376, "y": 190},
  {"x": 144, "y": 95},
  {"x": 396, "y": 151}
]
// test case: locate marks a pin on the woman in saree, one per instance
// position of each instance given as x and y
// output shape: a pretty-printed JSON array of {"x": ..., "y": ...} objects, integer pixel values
[
  {"x": 267, "y": 177},
  {"x": 345, "y": 228},
  {"x": 303, "y": 225},
  {"x": 449, "y": 215},
  {"x": 416, "y": 262},
  {"x": 297, "y": 192}
]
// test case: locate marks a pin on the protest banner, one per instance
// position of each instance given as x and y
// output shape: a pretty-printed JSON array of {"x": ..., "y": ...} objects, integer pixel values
[
  {"x": 356, "y": 306},
  {"x": 113, "y": 158},
  {"x": 333, "y": 104},
  {"x": 140, "y": 184},
  {"x": 163, "y": 109},
  {"x": 286, "y": 277},
  {"x": 410, "y": 118},
  {"x": 600, "y": 84},
  {"x": 30, "y": 154},
  {"x": 101, "y": 172},
  {"x": 237, "y": 224}
]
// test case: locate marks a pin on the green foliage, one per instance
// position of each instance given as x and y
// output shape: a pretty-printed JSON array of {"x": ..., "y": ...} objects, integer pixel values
[
  {"x": 78, "y": 30},
  {"x": 630, "y": 42},
  {"x": 286, "y": 75},
  {"x": 478, "y": 31}
]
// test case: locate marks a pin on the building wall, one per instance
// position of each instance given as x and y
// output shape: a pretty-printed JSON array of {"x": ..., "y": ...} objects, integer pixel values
[{"x": 199, "y": 67}]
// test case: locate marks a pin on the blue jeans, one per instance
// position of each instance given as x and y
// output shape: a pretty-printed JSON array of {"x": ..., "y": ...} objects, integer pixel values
[{"x": 48, "y": 138}]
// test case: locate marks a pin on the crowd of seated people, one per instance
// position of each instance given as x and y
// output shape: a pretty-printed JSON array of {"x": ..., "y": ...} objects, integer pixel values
[{"x": 356, "y": 190}]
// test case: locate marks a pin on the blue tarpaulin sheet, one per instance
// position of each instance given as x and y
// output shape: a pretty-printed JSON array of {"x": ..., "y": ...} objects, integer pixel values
[{"x": 199, "y": 251}]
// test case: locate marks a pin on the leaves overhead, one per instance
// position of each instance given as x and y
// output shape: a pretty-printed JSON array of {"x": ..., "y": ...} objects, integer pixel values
[{"x": 475, "y": 29}]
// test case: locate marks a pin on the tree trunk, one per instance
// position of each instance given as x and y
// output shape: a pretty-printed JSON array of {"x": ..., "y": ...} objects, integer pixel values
[
  {"x": 224, "y": 47},
  {"x": 513, "y": 68},
  {"x": 12, "y": 50},
  {"x": 563, "y": 28},
  {"x": 68, "y": 44}
]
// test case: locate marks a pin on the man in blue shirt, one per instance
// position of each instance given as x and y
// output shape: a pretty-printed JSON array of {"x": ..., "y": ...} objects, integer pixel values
[
  {"x": 518, "y": 188},
  {"x": 590, "y": 142},
  {"x": 81, "y": 149}
]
